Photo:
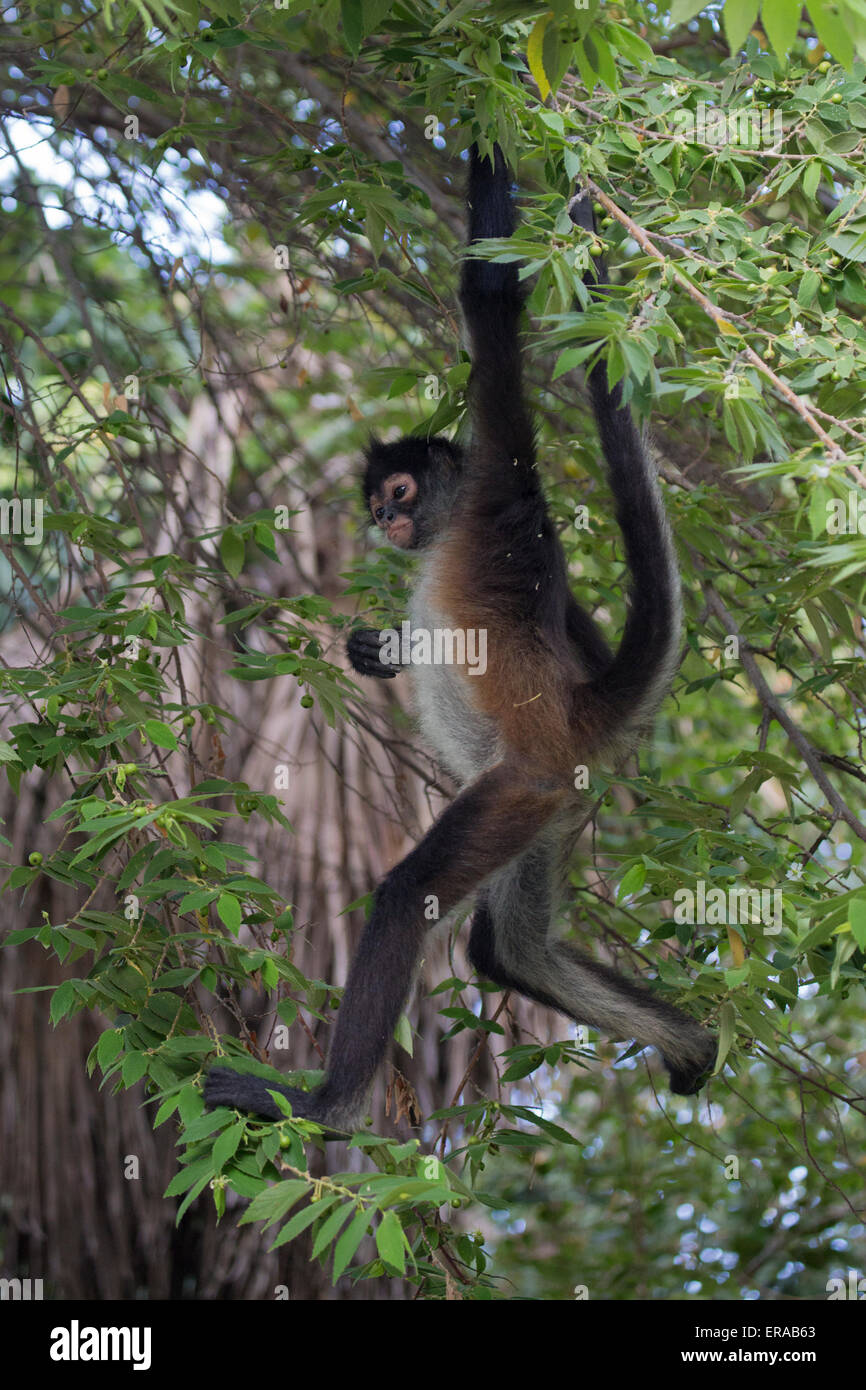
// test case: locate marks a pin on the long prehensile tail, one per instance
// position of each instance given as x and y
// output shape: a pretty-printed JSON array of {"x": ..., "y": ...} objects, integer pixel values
[{"x": 639, "y": 677}]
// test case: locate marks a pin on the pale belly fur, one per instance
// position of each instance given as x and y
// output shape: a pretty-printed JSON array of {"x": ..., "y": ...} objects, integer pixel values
[{"x": 465, "y": 741}]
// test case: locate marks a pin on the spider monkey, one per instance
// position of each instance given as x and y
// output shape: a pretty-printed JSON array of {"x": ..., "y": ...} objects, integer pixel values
[{"x": 553, "y": 696}]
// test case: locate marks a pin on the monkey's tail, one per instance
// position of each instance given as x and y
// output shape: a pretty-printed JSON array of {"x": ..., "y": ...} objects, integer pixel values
[{"x": 631, "y": 689}]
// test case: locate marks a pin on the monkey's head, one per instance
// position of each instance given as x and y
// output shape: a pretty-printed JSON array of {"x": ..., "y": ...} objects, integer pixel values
[{"x": 409, "y": 487}]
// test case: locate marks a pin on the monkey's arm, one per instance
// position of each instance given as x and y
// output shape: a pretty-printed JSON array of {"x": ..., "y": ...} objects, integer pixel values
[
  {"x": 364, "y": 649},
  {"x": 503, "y": 435}
]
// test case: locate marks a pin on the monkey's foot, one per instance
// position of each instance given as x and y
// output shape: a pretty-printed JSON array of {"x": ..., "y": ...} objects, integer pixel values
[
  {"x": 244, "y": 1092},
  {"x": 687, "y": 1077}
]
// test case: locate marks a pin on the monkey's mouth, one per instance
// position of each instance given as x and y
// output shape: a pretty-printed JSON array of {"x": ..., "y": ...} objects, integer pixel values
[{"x": 400, "y": 531}]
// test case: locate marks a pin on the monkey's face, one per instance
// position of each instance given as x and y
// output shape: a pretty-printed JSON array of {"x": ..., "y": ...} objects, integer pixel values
[
  {"x": 410, "y": 487},
  {"x": 393, "y": 505}
]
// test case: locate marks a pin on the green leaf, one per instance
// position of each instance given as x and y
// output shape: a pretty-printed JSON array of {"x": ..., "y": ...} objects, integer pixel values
[
  {"x": 727, "y": 1028},
  {"x": 739, "y": 17},
  {"x": 229, "y": 910},
  {"x": 195, "y": 901},
  {"x": 226, "y": 1145},
  {"x": 61, "y": 1001},
  {"x": 374, "y": 11},
  {"x": 374, "y": 226},
  {"x": 780, "y": 19},
  {"x": 630, "y": 45},
  {"x": 7, "y": 752},
  {"x": 522, "y": 1066},
  {"x": 109, "y": 1045},
  {"x": 226, "y": 38},
  {"x": 275, "y": 1202},
  {"x": 403, "y": 1034},
  {"x": 857, "y": 918},
  {"x": 391, "y": 1243},
  {"x": 851, "y": 243},
  {"x": 556, "y": 56},
  {"x": 328, "y": 1232},
  {"x": 197, "y": 1188},
  {"x": 353, "y": 24},
  {"x": 632, "y": 881},
  {"x": 190, "y": 1174},
  {"x": 818, "y": 511},
  {"x": 534, "y": 54},
  {"x": 159, "y": 733},
  {"x": 133, "y": 1068},
  {"x": 232, "y": 551},
  {"x": 812, "y": 177},
  {"x": 832, "y": 29},
  {"x": 603, "y": 63},
  {"x": 350, "y": 1240},
  {"x": 572, "y": 357},
  {"x": 808, "y": 288},
  {"x": 682, "y": 11},
  {"x": 302, "y": 1219}
]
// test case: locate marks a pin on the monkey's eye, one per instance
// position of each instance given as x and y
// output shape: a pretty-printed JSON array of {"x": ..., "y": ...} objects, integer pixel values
[{"x": 399, "y": 492}]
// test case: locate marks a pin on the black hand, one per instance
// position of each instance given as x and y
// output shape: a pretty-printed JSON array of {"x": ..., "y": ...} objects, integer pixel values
[{"x": 364, "y": 648}]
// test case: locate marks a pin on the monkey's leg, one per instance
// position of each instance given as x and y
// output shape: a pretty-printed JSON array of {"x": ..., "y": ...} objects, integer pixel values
[
  {"x": 486, "y": 826},
  {"x": 509, "y": 943}
]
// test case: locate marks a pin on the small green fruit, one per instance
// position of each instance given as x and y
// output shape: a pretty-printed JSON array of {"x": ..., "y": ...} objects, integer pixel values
[
  {"x": 306, "y": 702},
  {"x": 35, "y": 859}
]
